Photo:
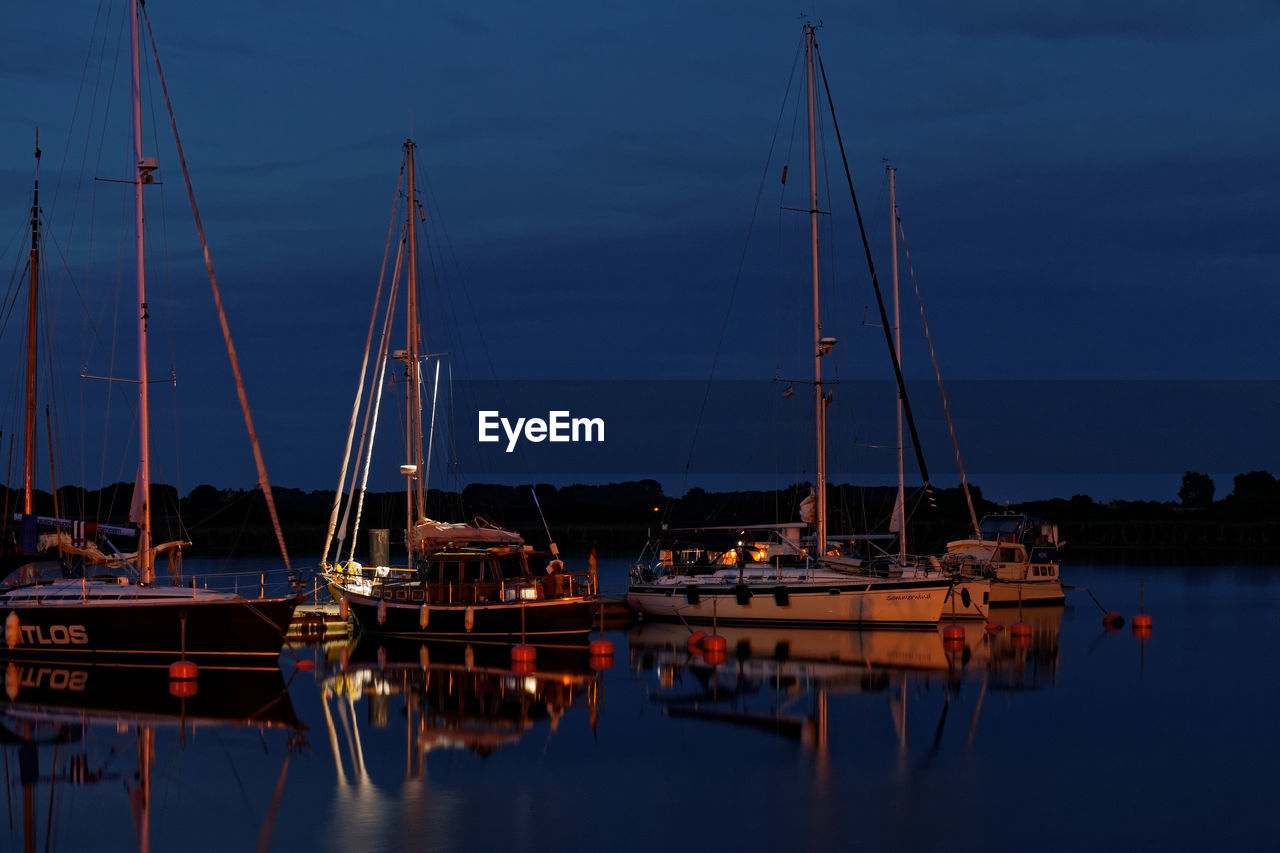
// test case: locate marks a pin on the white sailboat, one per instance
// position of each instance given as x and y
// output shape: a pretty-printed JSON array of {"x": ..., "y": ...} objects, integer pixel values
[
  {"x": 62, "y": 597},
  {"x": 783, "y": 574}
]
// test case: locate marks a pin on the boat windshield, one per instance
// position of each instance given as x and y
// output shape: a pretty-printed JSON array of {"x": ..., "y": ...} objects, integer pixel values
[{"x": 1001, "y": 528}]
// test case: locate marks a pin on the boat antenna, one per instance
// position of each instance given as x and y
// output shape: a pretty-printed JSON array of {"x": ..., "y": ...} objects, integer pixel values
[{"x": 555, "y": 549}]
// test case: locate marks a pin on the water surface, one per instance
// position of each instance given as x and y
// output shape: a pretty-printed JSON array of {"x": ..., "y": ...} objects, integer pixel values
[{"x": 1074, "y": 737}]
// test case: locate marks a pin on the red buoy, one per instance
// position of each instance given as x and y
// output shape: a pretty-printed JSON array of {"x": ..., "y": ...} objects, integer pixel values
[
  {"x": 1142, "y": 621},
  {"x": 714, "y": 643},
  {"x": 994, "y": 627},
  {"x": 953, "y": 632},
  {"x": 306, "y": 664},
  {"x": 600, "y": 648},
  {"x": 183, "y": 670},
  {"x": 523, "y": 653},
  {"x": 715, "y": 657},
  {"x": 953, "y": 644},
  {"x": 522, "y": 667},
  {"x": 182, "y": 679},
  {"x": 1021, "y": 642},
  {"x": 1113, "y": 619},
  {"x": 1020, "y": 629}
]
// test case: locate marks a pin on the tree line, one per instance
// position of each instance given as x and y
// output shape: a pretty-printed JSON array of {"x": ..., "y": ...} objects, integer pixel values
[{"x": 617, "y": 518}]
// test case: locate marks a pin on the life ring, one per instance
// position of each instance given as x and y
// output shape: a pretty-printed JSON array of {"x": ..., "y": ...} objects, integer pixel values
[{"x": 555, "y": 566}]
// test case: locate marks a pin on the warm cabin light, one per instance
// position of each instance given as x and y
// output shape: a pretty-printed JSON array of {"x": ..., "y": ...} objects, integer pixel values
[{"x": 528, "y": 593}]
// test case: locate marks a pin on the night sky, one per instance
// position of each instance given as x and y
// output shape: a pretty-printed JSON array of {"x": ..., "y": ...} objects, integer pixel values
[{"x": 1090, "y": 192}]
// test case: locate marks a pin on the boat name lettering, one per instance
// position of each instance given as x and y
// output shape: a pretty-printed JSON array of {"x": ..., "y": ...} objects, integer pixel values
[
  {"x": 912, "y": 596},
  {"x": 55, "y": 635},
  {"x": 54, "y": 679},
  {"x": 558, "y": 427}
]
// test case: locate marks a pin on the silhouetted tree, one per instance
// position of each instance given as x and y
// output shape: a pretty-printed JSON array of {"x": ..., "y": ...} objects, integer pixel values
[
  {"x": 1197, "y": 489},
  {"x": 1256, "y": 485}
]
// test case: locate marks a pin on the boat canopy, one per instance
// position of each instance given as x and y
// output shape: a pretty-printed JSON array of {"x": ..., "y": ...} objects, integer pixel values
[{"x": 431, "y": 535}]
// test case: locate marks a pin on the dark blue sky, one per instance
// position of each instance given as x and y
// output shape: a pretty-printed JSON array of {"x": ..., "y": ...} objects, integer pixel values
[{"x": 1089, "y": 192}]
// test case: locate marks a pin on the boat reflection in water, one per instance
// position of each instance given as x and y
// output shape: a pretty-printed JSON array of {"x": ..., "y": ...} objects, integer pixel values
[
  {"x": 80, "y": 744},
  {"x": 440, "y": 700},
  {"x": 782, "y": 680},
  {"x": 451, "y": 697}
]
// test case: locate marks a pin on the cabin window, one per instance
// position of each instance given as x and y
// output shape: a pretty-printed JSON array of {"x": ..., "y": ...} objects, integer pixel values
[
  {"x": 508, "y": 569},
  {"x": 473, "y": 571},
  {"x": 449, "y": 571}
]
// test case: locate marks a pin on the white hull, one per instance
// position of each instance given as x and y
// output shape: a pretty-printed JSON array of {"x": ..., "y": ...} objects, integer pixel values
[
  {"x": 829, "y": 599},
  {"x": 970, "y": 598}
]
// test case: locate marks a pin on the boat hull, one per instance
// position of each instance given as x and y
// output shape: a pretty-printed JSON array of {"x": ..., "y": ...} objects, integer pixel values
[
  {"x": 144, "y": 628},
  {"x": 496, "y": 621},
  {"x": 836, "y": 604}
]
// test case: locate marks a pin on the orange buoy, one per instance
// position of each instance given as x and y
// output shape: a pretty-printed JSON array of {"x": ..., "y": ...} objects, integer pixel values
[
  {"x": 1020, "y": 629},
  {"x": 1142, "y": 621},
  {"x": 1113, "y": 619},
  {"x": 600, "y": 662},
  {"x": 695, "y": 640},
  {"x": 523, "y": 667},
  {"x": 953, "y": 632},
  {"x": 953, "y": 644},
  {"x": 1021, "y": 641},
  {"x": 994, "y": 627},
  {"x": 523, "y": 652},
  {"x": 715, "y": 657},
  {"x": 1142, "y": 633},
  {"x": 714, "y": 643},
  {"x": 182, "y": 689},
  {"x": 600, "y": 648},
  {"x": 183, "y": 670},
  {"x": 306, "y": 664},
  {"x": 182, "y": 679}
]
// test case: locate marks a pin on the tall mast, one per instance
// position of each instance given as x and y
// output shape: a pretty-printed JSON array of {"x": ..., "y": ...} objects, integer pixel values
[
  {"x": 820, "y": 514},
  {"x": 33, "y": 302},
  {"x": 142, "y": 175},
  {"x": 413, "y": 435},
  {"x": 899, "y": 523}
]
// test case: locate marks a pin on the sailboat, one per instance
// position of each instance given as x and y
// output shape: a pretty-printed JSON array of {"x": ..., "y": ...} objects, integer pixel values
[
  {"x": 788, "y": 573},
  {"x": 68, "y": 594},
  {"x": 470, "y": 579}
]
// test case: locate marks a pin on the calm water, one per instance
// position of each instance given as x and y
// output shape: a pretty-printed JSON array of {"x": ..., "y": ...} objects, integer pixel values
[{"x": 797, "y": 741}]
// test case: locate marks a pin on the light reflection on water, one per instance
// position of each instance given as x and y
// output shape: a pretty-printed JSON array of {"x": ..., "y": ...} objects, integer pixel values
[{"x": 814, "y": 740}]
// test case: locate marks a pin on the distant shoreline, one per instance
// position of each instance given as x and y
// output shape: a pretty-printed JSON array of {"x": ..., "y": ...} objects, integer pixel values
[{"x": 617, "y": 518}]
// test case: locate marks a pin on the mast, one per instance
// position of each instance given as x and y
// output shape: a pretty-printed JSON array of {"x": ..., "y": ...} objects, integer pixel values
[
  {"x": 819, "y": 345},
  {"x": 143, "y": 167},
  {"x": 899, "y": 523},
  {"x": 413, "y": 436},
  {"x": 33, "y": 302}
]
